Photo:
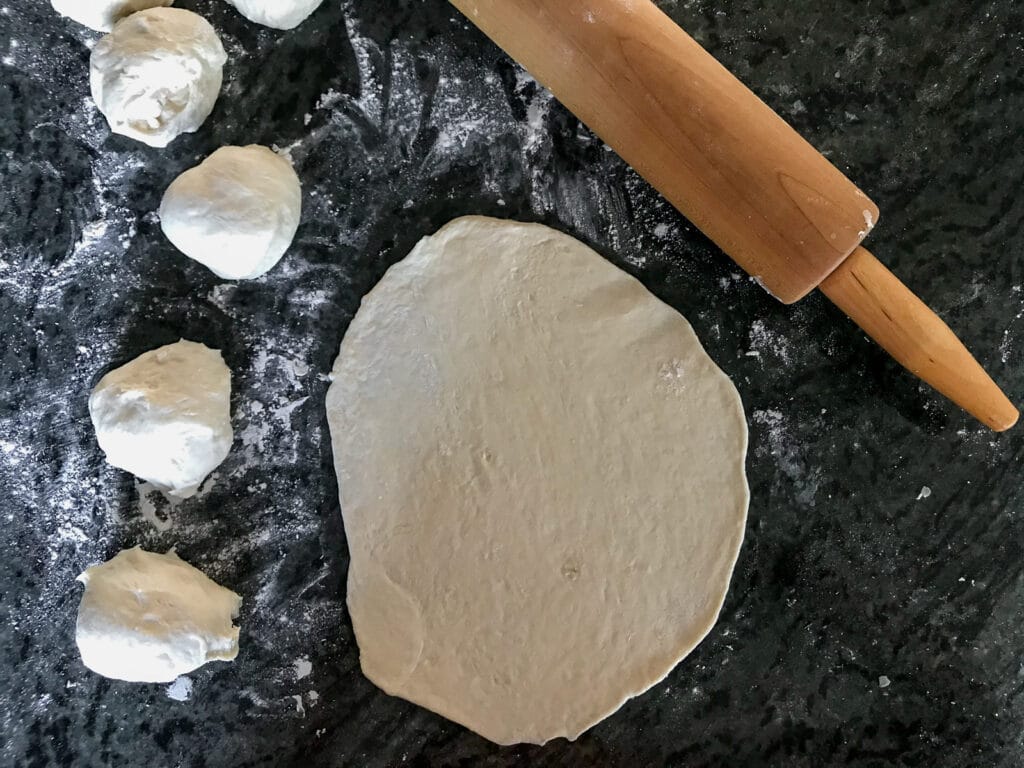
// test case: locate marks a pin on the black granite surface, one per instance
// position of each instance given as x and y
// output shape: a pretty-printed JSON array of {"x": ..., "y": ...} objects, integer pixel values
[{"x": 869, "y": 623}]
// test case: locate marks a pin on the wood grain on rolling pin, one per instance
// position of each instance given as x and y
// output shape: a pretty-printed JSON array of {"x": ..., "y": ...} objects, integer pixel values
[
  {"x": 906, "y": 328},
  {"x": 703, "y": 139}
]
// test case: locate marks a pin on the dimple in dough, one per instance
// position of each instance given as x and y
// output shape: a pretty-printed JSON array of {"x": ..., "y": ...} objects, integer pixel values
[
  {"x": 148, "y": 618},
  {"x": 542, "y": 480},
  {"x": 157, "y": 75}
]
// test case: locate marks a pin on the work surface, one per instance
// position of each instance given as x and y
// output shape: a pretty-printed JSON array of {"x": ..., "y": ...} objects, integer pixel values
[{"x": 875, "y": 617}]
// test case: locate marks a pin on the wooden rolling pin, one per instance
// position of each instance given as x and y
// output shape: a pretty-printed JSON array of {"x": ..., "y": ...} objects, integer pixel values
[{"x": 734, "y": 168}]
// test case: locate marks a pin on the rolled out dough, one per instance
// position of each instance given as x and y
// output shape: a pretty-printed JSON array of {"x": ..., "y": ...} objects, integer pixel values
[{"x": 542, "y": 481}]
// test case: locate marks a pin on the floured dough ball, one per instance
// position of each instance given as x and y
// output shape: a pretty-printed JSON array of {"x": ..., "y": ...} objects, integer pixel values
[
  {"x": 158, "y": 74},
  {"x": 279, "y": 14},
  {"x": 148, "y": 618},
  {"x": 236, "y": 212},
  {"x": 103, "y": 14},
  {"x": 166, "y": 416}
]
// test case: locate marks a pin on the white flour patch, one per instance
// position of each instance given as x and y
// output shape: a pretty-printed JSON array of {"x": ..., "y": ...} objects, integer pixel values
[
  {"x": 180, "y": 689},
  {"x": 221, "y": 296},
  {"x": 303, "y": 667},
  {"x": 254, "y": 435},
  {"x": 1008, "y": 342},
  {"x": 535, "y": 133},
  {"x": 256, "y": 699},
  {"x": 672, "y": 377},
  {"x": 261, "y": 426}
]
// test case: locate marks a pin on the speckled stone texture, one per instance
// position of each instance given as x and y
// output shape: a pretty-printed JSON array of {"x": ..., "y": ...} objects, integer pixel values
[{"x": 870, "y": 623}]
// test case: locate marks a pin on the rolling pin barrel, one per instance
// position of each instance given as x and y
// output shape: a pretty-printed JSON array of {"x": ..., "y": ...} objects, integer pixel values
[{"x": 703, "y": 139}]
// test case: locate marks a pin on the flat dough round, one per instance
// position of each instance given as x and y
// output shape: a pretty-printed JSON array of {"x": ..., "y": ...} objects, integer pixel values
[{"x": 542, "y": 481}]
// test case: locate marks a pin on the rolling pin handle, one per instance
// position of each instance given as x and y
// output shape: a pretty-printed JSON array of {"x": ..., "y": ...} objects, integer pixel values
[{"x": 903, "y": 325}]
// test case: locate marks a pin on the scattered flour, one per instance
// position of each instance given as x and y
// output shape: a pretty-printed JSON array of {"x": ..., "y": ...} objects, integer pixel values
[
  {"x": 786, "y": 451},
  {"x": 766, "y": 343}
]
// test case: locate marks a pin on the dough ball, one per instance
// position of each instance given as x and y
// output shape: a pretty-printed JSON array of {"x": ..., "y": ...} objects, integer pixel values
[
  {"x": 157, "y": 75},
  {"x": 148, "y": 618},
  {"x": 103, "y": 14},
  {"x": 279, "y": 14},
  {"x": 236, "y": 212},
  {"x": 542, "y": 481},
  {"x": 166, "y": 416}
]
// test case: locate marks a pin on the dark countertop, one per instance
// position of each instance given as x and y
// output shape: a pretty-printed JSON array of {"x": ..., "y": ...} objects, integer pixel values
[{"x": 869, "y": 624}]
